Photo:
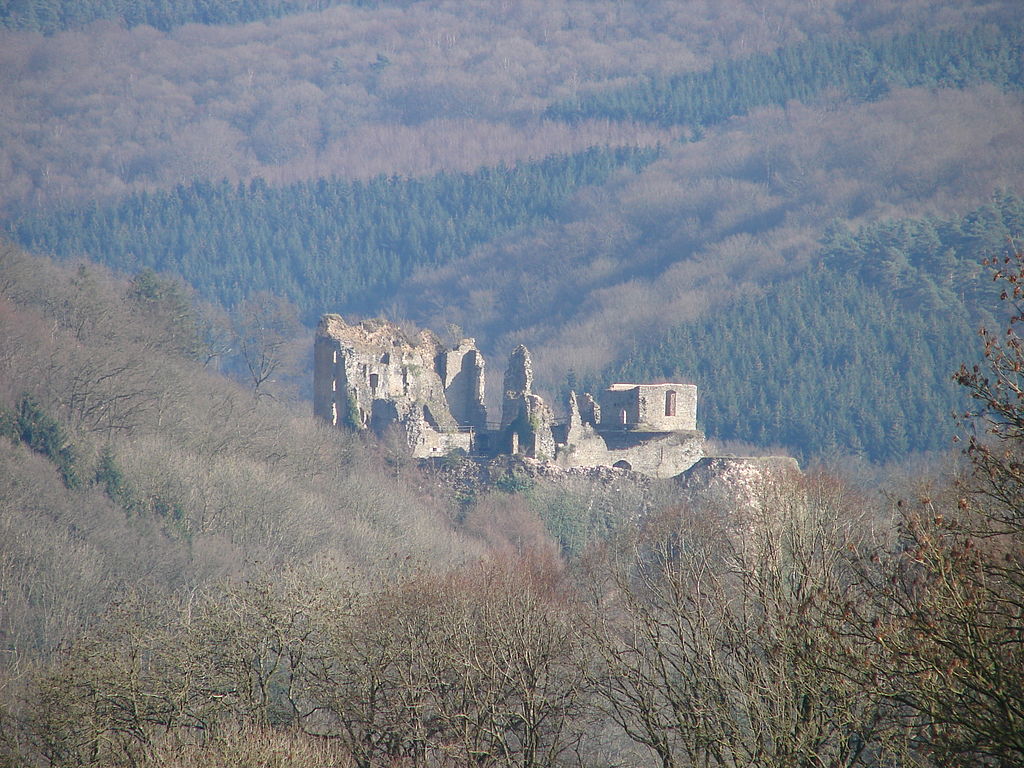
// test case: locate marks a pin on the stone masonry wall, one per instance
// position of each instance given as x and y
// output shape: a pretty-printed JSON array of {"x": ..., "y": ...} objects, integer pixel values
[
  {"x": 375, "y": 376},
  {"x": 651, "y": 407}
]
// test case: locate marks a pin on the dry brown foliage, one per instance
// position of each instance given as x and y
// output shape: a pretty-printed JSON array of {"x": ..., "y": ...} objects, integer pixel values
[{"x": 404, "y": 88}]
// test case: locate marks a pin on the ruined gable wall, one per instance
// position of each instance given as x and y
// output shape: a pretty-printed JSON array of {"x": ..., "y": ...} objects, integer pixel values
[
  {"x": 518, "y": 383},
  {"x": 462, "y": 374},
  {"x": 325, "y": 350},
  {"x": 668, "y": 406},
  {"x": 619, "y": 406},
  {"x": 373, "y": 375},
  {"x": 526, "y": 421}
]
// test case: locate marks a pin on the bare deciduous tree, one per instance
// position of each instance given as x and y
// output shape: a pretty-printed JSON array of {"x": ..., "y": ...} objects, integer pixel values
[
  {"x": 944, "y": 605},
  {"x": 718, "y": 640},
  {"x": 264, "y": 327}
]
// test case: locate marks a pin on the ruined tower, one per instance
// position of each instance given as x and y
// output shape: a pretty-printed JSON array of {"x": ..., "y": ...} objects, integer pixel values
[
  {"x": 525, "y": 419},
  {"x": 375, "y": 376}
]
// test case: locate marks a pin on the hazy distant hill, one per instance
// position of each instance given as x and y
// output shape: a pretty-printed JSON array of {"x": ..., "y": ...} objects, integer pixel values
[{"x": 249, "y": 157}]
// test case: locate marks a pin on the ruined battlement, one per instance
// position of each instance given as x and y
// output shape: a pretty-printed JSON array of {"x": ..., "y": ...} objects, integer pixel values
[{"x": 376, "y": 376}]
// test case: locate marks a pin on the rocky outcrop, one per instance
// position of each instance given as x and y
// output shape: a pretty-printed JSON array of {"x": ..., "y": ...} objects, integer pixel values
[{"x": 735, "y": 483}]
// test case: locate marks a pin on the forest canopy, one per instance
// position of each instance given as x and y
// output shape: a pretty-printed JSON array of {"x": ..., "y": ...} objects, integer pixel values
[
  {"x": 330, "y": 243},
  {"x": 49, "y": 16},
  {"x": 585, "y": 177},
  {"x": 812, "y": 71}
]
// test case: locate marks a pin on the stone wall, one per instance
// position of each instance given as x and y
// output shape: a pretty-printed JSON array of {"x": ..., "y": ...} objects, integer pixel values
[
  {"x": 649, "y": 407},
  {"x": 658, "y": 454},
  {"x": 375, "y": 376},
  {"x": 462, "y": 374}
]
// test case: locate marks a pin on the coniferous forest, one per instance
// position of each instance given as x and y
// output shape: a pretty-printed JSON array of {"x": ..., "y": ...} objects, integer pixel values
[
  {"x": 329, "y": 243},
  {"x": 811, "y": 210},
  {"x": 867, "y": 69},
  {"x": 855, "y": 355},
  {"x": 50, "y": 17}
]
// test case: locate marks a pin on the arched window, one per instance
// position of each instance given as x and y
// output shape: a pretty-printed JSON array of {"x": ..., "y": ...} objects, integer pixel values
[
  {"x": 670, "y": 403},
  {"x": 622, "y": 464}
]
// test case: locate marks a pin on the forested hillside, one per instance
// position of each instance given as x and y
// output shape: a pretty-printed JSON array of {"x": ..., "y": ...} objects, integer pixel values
[
  {"x": 193, "y": 575},
  {"x": 359, "y": 90},
  {"x": 133, "y": 465},
  {"x": 827, "y": 69},
  {"x": 331, "y": 243},
  {"x": 856, "y": 356},
  {"x": 591, "y": 179},
  {"x": 135, "y": 482},
  {"x": 787, "y": 202},
  {"x": 713, "y": 221}
]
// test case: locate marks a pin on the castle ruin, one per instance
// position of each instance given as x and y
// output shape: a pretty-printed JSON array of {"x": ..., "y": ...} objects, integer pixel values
[{"x": 377, "y": 377}]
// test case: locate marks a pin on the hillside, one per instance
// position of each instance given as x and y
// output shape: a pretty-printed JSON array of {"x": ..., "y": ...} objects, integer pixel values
[
  {"x": 48, "y": 17},
  {"x": 332, "y": 243},
  {"x": 582, "y": 177},
  {"x": 857, "y": 355},
  {"x": 722, "y": 218},
  {"x": 362, "y": 89},
  {"x": 195, "y": 575},
  {"x": 129, "y": 466}
]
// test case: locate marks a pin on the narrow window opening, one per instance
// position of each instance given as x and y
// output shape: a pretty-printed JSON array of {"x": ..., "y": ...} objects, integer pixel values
[
  {"x": 670, "y": 403},
  {"x": 374, "y": 379}
]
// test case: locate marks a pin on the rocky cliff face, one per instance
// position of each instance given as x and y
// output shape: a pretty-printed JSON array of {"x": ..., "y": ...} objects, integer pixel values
[{"x": 737, "y": 484}]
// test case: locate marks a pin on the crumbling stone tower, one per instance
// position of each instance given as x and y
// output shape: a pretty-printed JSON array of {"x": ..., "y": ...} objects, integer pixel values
[
  {"x": 375, "y": 376},
  {"x": 525, "y": 420}
]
